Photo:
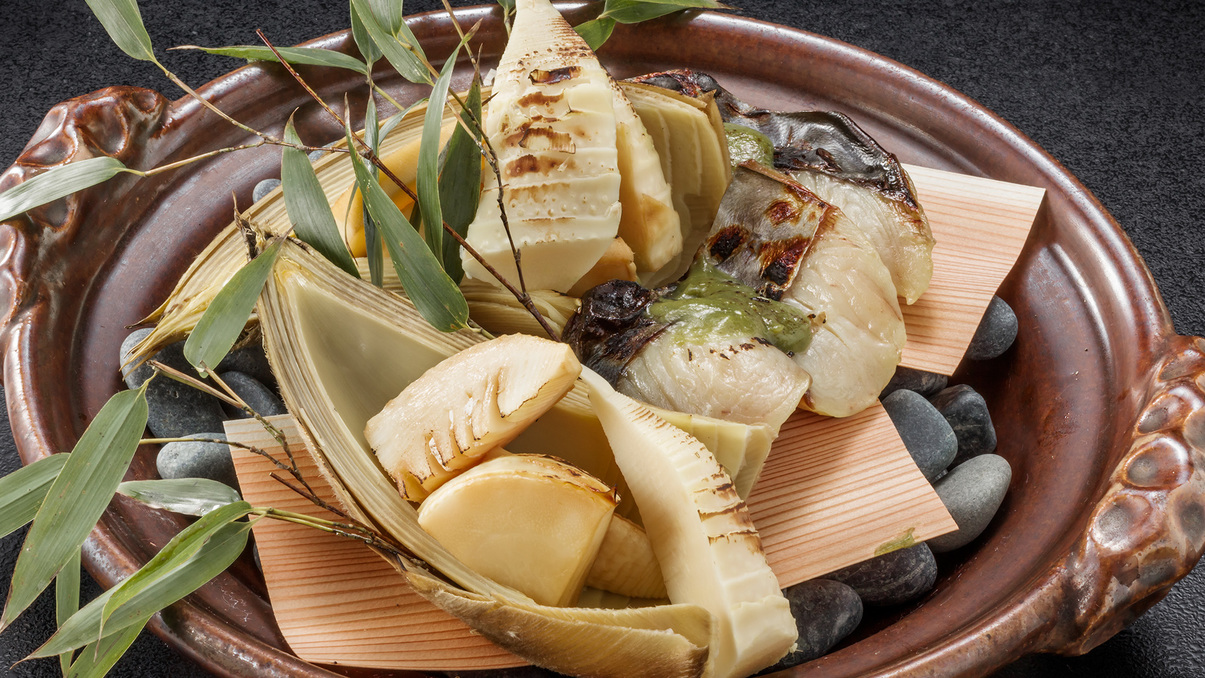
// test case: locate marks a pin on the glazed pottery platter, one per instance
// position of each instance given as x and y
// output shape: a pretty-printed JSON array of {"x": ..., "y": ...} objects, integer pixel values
[{"x": 1104, "y": 403}]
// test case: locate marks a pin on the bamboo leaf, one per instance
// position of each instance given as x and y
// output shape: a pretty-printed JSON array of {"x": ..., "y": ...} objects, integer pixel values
[
  {"x": 307, "y": 207},
  {"x": 221, "y": 549},
  {"x": 596, "y": 32},
  {"x": 427, "y": 172},
  {"x": 22, "y": 491},
  {"x": 433, "y": 293},
  {"x": 98, "y": 657},
  {"x": 368, "y": 48},
  {"x": 188, "y": 496},
  {"x": 123, "y": 23},
  {"x": 635, "y": 11},
  {"x": 378, "y": 24},
  {"x": 66, "y": 600},
  {"x": 77, "y": 498},
  {"x": 460, "y": 180},
  {"x": 58, "y": 182},
  {"x": 372, "y": 238},
  {"x": 173, "y": 555},
  {"x": 227, "y": 314},
  {"x": 306, "y": 56}
]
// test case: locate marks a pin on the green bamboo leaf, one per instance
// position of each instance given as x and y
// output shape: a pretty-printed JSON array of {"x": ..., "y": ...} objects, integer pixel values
[
  {"x": 58, "y": 182},
  {"x": 372, "y": 238},
  {"x": 98, "y": 657},
  {"x": 124, "y": 25},
  {"x": 460, "y": 180},
  {"x": 227, "y": 314},
  {"x": 22, "y": 492},
  {"x": 66, "y": 600},
  {"x": 389, "y": 13},
  {"x": 406, "y": 59},
  {"x": 596, "y": 32},
  {"x": 223, "y": 547},
  {"x": 77, "y": 498},
  {"x": 433, "y": 293},
  {"x": 427, "y": 172},
  {"x": 368, "y": 48},
  {"x": 508, "y": 12},
  {"x": 306, "y": 56},
  {"x": 635, "y": 11},
  {"x": 188, "y": 496},
  {"x": 307, "y": 206},
  {"x": 173, "y": 555}
]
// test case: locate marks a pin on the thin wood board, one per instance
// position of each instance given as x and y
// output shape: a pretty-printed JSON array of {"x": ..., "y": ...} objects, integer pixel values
[
  {"x": 980, "y": 226},
  {"x": 832, "y": 492}
]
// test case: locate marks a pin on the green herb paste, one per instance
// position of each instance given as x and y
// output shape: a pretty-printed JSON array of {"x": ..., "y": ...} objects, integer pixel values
[{"x": 708, "y": 305}]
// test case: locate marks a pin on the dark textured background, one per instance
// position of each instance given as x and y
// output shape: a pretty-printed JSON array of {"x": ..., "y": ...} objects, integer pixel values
[{"x": 1112, "y": 89}]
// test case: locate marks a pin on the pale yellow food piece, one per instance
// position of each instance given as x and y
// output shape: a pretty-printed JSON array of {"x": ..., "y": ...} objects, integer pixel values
[
  {"x": 530, "y": 522},
  {"x": 472, "y": 402},
  {"x": 708, "y": 548},
  {"x": 617, "y": 263},
  {"x": 625, "y": 563}
]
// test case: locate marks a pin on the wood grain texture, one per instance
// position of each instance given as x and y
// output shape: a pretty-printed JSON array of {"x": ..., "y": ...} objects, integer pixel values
[
  {"x": 832, "y": 492},
  {"x": 980, "y": 226}
]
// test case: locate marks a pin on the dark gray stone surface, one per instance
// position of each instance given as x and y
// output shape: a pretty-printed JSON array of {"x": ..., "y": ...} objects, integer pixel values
[
  {"x": 825, "y": 611},
  {"x": 972, "y": 493},
  {"x": 258, "y": 397},
  {"x": 1112, "y": 89},
  {"x": 199, "y": 458},
  {"x": 924, "y": 430},
  {"x": 967, "y": 413},
  {"x": 996, "y": 331},
  {"x": 893, "y": 578}
]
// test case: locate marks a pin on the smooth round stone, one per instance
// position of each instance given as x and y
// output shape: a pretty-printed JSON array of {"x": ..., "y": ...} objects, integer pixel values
[
  {"x": 251, "y": 361},
  {"x": 892, "y": 578},
  {"x": 825, "y": 611},
  {"x": 263, "y": 188},
  {"x": 996, "y": 332},
  {"x": 924, "y": 383},
  {"x": 967, "y": 413},
  {"x": 196, "y": 459},
  {"x": 175, "y": 409},
  {"x": 925, "y": 433},
  {"x": 257, "y": 396},
  {"x": 315, "y": 156},
  {"x": 972, "y": 493},
  {"x": 133, "y": 376}
]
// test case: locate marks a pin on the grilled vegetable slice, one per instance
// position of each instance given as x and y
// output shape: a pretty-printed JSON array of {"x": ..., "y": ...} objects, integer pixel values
[
  {"x": 531, "y": 522},
  {"x": 708, "y": 548},
  {"x": 478, "y": 399},
  {"x": 552, "y": 122}
]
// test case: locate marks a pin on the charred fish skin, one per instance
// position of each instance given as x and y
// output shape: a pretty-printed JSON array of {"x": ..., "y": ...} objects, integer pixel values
[
  {"x": 838, "y": 161},
  {"x": 611, "y": 326},
  {"x": 826, "y": 141}
]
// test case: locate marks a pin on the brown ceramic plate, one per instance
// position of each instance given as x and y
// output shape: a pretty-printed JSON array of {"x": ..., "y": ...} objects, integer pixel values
[{"x": 1102, "y": 401}]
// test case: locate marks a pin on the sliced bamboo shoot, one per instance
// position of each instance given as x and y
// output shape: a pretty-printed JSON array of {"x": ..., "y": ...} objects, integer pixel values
[
  {"x": 552, "y": 123},
  {"x": 708, "y": 548},
  {"x": 476, "y": 400},
  {"x": 617, "y": 263},
  {"x": 531, "y": 522},
  {"x": 625, "y": 563}
]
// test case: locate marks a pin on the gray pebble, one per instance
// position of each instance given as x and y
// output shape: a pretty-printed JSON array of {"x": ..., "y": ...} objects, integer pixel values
[
  {"x": 174, "y": 409},
  {"x": 925, "y": 433},
  {"x": 924, "y": 383},
  {"x": 133, "y": 376},
  {"x": 251, "y": 361},
  {"x": 893, "y": 578},
  {"x": 263, "y": 188},
  {"x": 967, "y": 413},
  {"x": 315, "y": 156},
  {"x": 259, "y": 397},
  {"x": 972, "y": 493},
  {"x": 825, "y": 611},
  {"x": 996, "y": 332},
  {"x": 189, "y": 459}
]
